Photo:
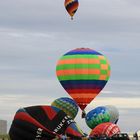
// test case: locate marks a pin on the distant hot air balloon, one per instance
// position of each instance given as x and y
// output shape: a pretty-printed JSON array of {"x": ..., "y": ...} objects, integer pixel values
[
  {"x": 66, "y": 104},
  {"x": 71, "y": 7},
  {"x": 39, "y": 122},
  {"x": 114, "y": 113},
  {"x": 97, "y": 116},
  {"x": 105, "y": 129},
  {"x": 83, "y": 73}
]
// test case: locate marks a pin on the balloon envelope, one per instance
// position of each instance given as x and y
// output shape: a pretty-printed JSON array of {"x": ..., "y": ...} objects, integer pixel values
[
  {"x": 39, "y": 122},
  {"x": 74, "y": 131},
  {"x": 114, "y": 113},
  {"x": 97, "y": 116},
  {"x": 71, "y": 6},
  {"x": 68, "y": 105},
  {"x": 83, "y": 73},
  {"x": 105, "y": 129}
]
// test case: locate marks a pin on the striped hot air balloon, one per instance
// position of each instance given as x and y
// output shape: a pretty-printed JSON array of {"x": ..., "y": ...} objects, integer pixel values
[
  {"x": 83, "y": 73},
  {"x": 71, "y": 7}
]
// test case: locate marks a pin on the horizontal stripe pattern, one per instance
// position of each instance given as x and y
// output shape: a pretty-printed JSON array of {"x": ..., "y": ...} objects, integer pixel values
[
  {"x": 85, "y": 91},
  {"x": 78, "y": 66},
  {"x": 79, "y": 61},
  {"x": 86, "y": 68},
  {"x": 77, "y": 71},
  {"x": 83, "y": 51},
  {"x": 80, "y": 82},
  {"x": 83, "y": 77},
  {"x": 83, "y": 73},
  {"x": 84, "y": 95},
  {"x": 88, "y": 56}
]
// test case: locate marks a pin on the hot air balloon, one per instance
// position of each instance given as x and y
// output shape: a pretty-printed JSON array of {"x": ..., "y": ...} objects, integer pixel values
[
  {"x": 39, "y": 122},
  {"x": 97, "y": 116},
  {"x": 71, "y": 7},
  {"x": 83, "y": 73},
  {"x": 66, "y": 104},
  {"x": 114, "y": 113},
  {"x": 74, "y": 131},
  {"x": 105, "y": 129}
]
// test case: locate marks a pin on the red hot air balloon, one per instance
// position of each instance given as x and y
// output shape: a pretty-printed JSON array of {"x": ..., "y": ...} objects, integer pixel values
[
  {"x": 71, "y": 7},
  {"x": 105, "y": 129},
  {"x": 83, "y": 73}
]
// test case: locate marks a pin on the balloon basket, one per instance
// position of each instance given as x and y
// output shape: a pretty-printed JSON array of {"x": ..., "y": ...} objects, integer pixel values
[
  {"x": 71, "y": 18},
  {"x": 83, "y": 114}
]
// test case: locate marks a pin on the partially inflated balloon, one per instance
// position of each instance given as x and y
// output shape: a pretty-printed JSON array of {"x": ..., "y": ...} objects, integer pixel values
[
  {"x": 83, "y": 73},
  {"x": 74, "y": 131},
  {"x": 114, "y": 113},
  {"x": 97, "y": 116},
  {"x": 68, "y": 105},
  {"x": 42, "y": 122},
  {"x": 105, "y": 129},
  {"x": 71, "y": 7}
]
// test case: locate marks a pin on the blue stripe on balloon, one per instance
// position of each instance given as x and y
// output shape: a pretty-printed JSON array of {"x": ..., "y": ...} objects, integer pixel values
[
  {"x": 55, "y": 109},
  {"x": 85, "y": 84},
  {"x": 73, "y": 126},
  {"x": 83, "y": 52}
]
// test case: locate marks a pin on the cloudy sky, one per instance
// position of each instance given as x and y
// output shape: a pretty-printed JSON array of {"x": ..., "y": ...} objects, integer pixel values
[{"x": 33, "y": 36}]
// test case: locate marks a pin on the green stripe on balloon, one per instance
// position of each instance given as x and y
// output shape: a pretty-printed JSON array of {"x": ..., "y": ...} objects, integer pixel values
[
  {"x": 88, "y": 56},
  {"x": 80, "y": 76},
  {"x": 78, "y": 66}
]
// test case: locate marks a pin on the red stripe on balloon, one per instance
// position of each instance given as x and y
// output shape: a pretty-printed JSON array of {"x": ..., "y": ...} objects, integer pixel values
[
  {"x": 25, "y": 117},
  {"x": 49, "y": 112}
]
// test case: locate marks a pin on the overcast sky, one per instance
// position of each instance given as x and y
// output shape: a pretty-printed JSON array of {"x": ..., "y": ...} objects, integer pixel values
[{"x": 35, "y": 33}]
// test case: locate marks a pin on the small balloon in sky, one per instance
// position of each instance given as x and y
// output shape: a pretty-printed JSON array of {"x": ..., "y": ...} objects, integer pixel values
[{"x": 71, "y": 7}]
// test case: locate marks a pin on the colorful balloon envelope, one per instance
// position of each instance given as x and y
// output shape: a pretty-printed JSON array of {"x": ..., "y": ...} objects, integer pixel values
[
  {"x": 71, "y": 7},
  {"x": 68, "y": 105},
  {"x": 105, "y": 129},
  {"x": 39, "y": 122},
  {"x": 113, "y": 112},
  {"x": 83, "y": 73},
  {"x": 74, "y": 131},
  {"x": 97, "y": 116}
]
